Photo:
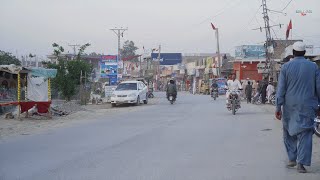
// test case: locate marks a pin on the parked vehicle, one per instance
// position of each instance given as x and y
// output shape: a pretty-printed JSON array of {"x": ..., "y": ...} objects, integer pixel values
[
  {"x": 258, "y": 100},
  {"x": 273, "y": 99},
  {"x": 150, "y": 93},
  {"x": 130, "y": 92}
]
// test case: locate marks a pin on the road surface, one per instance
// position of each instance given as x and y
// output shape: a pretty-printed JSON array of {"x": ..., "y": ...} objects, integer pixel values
[{"x": 194, "y": 139}]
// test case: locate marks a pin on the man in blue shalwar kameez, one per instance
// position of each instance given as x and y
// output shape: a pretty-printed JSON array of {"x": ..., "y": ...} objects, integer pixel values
[{"x": 298, "y": 95}]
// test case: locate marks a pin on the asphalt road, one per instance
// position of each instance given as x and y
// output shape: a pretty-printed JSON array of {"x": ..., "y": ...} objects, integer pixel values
[{"x": 194, "y": 139}]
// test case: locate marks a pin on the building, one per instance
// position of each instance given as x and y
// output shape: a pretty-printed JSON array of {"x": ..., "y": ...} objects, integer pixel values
[{"x": 247, "y": 58}]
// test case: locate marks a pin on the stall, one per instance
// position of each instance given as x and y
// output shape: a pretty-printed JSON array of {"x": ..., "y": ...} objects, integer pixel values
[
  {"x": 37, "y": 91},
  {"x": 27, "y": 88}
]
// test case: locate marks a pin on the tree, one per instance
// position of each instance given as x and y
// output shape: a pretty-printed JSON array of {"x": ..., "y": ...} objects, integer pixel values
[
  {"x": 7, "y": 59},
  {"x": 128, "y": 50},
  {"x": 82, "y": 49},
  {"x": 69, "y": 72}
]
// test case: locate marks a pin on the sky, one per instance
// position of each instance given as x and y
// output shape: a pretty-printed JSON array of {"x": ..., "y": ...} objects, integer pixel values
[{"x": 31, "y": 26}]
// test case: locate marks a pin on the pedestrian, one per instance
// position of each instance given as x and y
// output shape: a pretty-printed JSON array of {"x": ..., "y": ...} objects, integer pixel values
[
  {"x": 264, "y": 86},
  {"x": 248, "y": 92},
  {"x": 297, "y": 100},
  {"x": 270, "y": 90},
  {"x": 258, "y": 91}
]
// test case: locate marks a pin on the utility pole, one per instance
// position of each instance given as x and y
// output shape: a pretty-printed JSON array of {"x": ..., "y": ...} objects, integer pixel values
[
  {"x": 269, "y": 42},
  {"x": 74, "y": 48},
  {"x": 218, "y": 52},
  {"x": 119, "y": 32}
]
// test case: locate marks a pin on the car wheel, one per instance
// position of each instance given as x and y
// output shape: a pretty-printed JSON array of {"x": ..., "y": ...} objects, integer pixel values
[
  {"x": 146, "y": 101},
  {"x": 113, "y": 105},
  {"x": 138, "y": 101}
]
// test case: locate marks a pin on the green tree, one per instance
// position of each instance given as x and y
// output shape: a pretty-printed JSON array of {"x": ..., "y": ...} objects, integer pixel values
[
  {"x": 69, "y": 72},
  {"x": 7, "y": 59},
  {"x": 82, "y": 49},
  {"x": 129, "y": 50}
]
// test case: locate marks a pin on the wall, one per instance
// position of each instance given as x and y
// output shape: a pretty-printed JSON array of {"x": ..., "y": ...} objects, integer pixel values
[{"x": 247, "y": 70}]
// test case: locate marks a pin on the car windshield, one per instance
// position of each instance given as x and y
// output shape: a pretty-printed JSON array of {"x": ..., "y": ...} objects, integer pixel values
[{"x": 126, "y": 86}]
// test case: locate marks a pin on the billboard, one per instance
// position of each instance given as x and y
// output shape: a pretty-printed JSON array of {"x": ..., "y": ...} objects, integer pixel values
[
  {"x": 167, "y": 58},
  {"x": 109, "y": 68},
  {"x": 250, "y": 52}
]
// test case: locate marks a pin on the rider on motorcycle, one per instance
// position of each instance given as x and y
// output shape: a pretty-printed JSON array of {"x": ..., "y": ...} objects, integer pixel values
[
  {"x": 214, "y": 86},
  {"x": 172, "y": 89},
  {"x": 233, "y": 85}
]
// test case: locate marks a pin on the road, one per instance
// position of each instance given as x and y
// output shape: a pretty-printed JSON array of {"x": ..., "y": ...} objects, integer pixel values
[{"x": 194, "y": 139}]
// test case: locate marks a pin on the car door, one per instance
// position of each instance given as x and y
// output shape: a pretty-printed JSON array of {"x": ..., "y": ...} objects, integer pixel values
[
  {"x": 145, "y": 90},
  {"x": 140, "y": 89}
]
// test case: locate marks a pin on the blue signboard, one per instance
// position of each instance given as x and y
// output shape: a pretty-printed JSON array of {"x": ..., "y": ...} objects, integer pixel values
[
  {"x": 109, "y": 68},
  {"x": 167, "y": 58},
  {"x": 250, "y": 52}
]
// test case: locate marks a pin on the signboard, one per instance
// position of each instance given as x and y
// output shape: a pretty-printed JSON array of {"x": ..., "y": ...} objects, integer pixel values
[
  {"x": 108, "y": 90},
  {"x": 109, "y": 68},
  {"x": 167, "y": 58},
  {"x": 250, "y": 52}
]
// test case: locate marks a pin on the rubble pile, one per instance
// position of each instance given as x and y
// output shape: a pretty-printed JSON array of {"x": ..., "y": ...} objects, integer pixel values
[{"x": 66, "y": 108}]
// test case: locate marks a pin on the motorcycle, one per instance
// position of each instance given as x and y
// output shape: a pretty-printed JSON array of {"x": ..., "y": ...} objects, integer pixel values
[
  {"x": 150, "y": 93},
  {"x": 214, "y": 93},
  {"x": 171, "y": 98},
  {"x": 233, "y": 102},
  {"x": 273, "y": 98}
]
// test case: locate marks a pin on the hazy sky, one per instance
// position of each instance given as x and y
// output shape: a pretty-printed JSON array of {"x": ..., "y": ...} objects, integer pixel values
[{"x": 31, "y": 26}]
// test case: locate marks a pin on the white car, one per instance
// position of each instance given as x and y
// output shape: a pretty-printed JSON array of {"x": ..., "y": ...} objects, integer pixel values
[{"x": 130, "y": 92}]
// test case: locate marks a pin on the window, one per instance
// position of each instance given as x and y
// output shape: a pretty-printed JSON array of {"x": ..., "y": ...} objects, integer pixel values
[{"x": 126, "y": 86}]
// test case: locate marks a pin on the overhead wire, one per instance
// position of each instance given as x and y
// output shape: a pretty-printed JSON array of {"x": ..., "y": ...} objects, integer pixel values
[
  {"x": 221, "y": 11},
  {"x": 246, "y": 25},
  {"x": 287, "y": 5}
]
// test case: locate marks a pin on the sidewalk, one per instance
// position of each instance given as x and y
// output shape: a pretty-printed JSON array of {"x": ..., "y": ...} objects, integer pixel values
[{"x": 84, "y": 114}]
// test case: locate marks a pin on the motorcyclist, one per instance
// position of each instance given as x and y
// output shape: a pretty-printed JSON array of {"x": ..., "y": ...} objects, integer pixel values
[
  {"x": 214, "y": 86},
  {"x": 233, "y": 85},
  {"x": 172, "y": 89}
]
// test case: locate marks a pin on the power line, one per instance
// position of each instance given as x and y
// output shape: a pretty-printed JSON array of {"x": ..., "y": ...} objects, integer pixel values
[
  {"x": 274, "y": 33},
  {"x": 287, "y": 5},
  {"x": 221, "y": 11}
]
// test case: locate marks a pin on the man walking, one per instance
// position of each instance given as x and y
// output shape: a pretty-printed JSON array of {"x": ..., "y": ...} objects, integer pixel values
[
  {"x": 270, "y": 91},
  {"x": 248, "y": 92},
  {"x": 264, "y": 86},
  {"x": 298, "y": 95}
]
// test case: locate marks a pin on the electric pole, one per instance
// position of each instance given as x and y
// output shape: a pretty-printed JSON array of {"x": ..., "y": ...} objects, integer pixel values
[
  {"x": 218, "y": 52},
  {"x": 119, "y": 32},
  {"x": 269, "y": 42},
  {"x": 74, "y": 47}
]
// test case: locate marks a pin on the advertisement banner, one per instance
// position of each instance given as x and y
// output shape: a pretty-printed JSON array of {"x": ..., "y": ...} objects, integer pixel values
[
  {"x": 167, "y": 58},
  {"x": 250, "y": 52},
  {"x": 109, "y": 68}
]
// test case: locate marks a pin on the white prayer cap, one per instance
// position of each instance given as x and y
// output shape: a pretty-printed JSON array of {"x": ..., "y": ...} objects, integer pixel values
[{"x": 299, "y": 46}]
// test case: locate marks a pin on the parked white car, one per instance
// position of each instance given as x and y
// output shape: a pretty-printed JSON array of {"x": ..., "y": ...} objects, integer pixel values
[{"x": 130, "y": 92}]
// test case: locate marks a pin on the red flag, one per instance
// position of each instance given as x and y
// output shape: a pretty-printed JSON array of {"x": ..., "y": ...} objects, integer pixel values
[
  {"x": 214, "y": 28},
  {"x": 288, "y": 29}
]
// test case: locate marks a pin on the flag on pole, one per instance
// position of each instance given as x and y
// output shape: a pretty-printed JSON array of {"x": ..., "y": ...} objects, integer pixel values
[
  {"x": 213, "y": 27},
  {"x": 288, "y": 29}
]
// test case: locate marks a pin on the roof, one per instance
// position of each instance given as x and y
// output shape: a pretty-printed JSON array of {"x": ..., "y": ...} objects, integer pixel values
[
  {"x": 130, "y": 82},
  {"x": 13, "y": 69},
  {"x": 41, "y": 72}
]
